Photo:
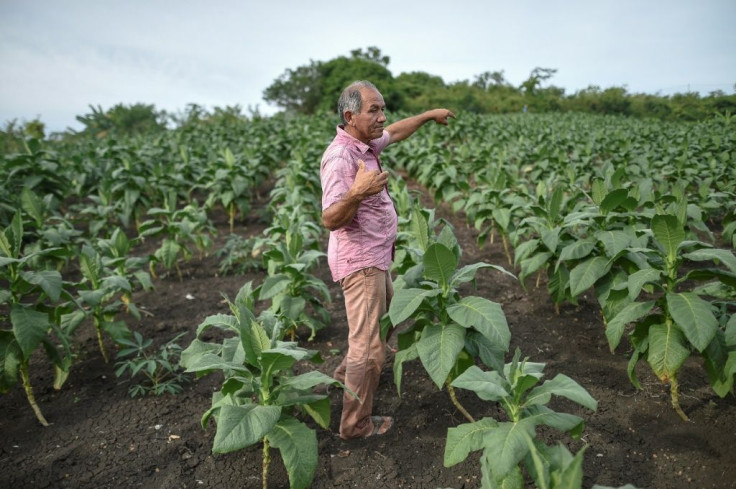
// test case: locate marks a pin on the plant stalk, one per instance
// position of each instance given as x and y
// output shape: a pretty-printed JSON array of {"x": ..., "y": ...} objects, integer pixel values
[
  {"x": 29, "y": 393},
  {"x": 100, "y": 342},
  {"x": 266, "y": 462},
  {"x": 675, "y": 396},
  {"x": 506, "y": 248},
  {"x": 457, "y": 404}
]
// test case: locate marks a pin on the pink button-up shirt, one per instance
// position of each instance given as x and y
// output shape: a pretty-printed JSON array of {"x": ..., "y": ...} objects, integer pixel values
[{"x": 368, "y": 240}]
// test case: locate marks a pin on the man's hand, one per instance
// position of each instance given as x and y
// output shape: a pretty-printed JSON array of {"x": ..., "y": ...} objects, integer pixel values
[
  {"x": 368, "y": 182},
  {"x": 440, "y": 116}
]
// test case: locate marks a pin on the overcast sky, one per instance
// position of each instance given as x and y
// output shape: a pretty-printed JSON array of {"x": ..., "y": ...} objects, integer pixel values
[{"x": 59, "y": 57}]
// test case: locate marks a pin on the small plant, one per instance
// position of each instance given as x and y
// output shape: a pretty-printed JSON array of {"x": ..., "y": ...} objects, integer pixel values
[
  {"x": 179, "y": 228},
  {"x": 261, "y": 393},
  {"x": 506, "y": 444},
  {"x": 159, "y": 368}
]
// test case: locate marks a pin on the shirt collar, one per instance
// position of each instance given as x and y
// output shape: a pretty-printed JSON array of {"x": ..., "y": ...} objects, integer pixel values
[{"x": 347, "y": 138}]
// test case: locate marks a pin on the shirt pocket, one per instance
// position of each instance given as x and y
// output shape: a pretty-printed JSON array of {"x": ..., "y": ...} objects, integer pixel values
[{"x": 375, "y": 216}]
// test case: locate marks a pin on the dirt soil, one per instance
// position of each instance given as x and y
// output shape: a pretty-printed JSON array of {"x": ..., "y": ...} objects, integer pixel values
[{"x": 100, "y": 437}]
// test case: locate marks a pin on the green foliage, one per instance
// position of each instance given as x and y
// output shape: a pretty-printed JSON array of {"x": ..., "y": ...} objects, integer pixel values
[
  {"x": 506, "y": 444},
  {"x": 122, "y": 120},
  {"x": 38, "y": 317},
  {"x": 159, "y": 368},
  {"x": 448, "y": 330},
  {"x": 260, "y": 392}
]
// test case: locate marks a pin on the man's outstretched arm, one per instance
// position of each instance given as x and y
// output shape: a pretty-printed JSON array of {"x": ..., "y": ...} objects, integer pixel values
[{"x": 406, "y": 127}]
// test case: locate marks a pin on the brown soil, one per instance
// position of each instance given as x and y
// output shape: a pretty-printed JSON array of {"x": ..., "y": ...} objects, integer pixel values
[{"x": 99, "y": 437}]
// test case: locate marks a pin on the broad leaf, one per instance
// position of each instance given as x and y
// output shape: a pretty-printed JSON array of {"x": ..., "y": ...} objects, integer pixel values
[
  {"x": 629, "y": 314},
  {"x": 717, "y": 255},
  {"x": 242, "y": 426},
  {"x": 29, "y": 327},
  {"x": 49, "y": 280},
  {"x": 667, "y": 350},
  {"x": 439, "y": 264},
  {"x": 439, "y": 348},
  {"x": 506, "y": 445},
  {"x": 563, "y": 386},
  {"x": 695, "y": 318},
  {"x": 489, "y": 386},
  {"x": 669, "y": 233},
  {"x": 298, "y": 446},
  {"x": 485, "y": 316},
  {"x": 406, "y": 301},
  {"x": 587, "y": 273},
  {"x": 466, "y": 438},
  {"x": 402, "y": 356}
]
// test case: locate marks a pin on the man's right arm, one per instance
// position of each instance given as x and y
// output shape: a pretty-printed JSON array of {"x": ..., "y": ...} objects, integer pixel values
[{"x": 343, "y": 211}]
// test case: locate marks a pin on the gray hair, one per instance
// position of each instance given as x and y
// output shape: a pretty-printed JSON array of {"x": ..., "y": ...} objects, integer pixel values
[{"x": 350, "y": 99}]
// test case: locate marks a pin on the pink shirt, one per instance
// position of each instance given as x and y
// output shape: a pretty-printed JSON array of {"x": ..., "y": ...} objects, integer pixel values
[{"x": 368, "y": 240}]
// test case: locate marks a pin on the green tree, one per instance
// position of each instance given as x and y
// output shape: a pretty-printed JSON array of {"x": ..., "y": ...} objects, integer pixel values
[
  {"x": 317, "y": 86},
  {"x": 123, "y": 120}
]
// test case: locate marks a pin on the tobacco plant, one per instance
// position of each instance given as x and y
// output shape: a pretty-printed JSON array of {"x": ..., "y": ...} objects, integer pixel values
[
  {"x": 37, "y": 316},
  {"x": 448, "y": 330},
  {"x": 676, "y": 320},
  {"x": 179, "y": 229},
  {"x": 261, "y": 394},
  {"x": 506, "y": 444}
]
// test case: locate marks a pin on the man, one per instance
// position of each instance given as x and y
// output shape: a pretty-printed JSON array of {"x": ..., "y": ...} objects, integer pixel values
[{"x": 358, "y": 211}]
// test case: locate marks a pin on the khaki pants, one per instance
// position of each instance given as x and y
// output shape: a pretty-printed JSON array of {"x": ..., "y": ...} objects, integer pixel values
[{"x": 368, "y": 294}]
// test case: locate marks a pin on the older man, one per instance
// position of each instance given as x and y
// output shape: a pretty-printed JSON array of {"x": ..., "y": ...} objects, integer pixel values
[{"x": 358, "y": 211}]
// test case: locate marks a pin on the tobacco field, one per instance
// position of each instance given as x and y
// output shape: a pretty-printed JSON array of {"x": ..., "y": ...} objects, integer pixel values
[{"x": 564, "y": 308}]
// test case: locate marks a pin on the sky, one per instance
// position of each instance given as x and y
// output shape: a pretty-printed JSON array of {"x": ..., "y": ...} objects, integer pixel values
[{"x": 58, "y": 58}]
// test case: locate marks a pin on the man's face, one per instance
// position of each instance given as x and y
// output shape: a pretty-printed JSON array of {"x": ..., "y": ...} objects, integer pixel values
[{"x": 368, "y": 124}]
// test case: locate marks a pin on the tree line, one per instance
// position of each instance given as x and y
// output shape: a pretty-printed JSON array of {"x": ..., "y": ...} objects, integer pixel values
[{"x": 315, "y": 87}]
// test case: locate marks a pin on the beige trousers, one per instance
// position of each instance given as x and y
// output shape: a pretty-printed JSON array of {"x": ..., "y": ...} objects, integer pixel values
[{"x": 368, "y": 294}]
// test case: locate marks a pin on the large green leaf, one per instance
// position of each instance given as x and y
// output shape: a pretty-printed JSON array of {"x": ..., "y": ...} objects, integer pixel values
[
  {"x": 667, "y": 350},
  {"x": 506, "y": 445},
  {"x": 274, "y": 285},
  {"x": 29, "y": 327},
  {"x": 577, "y": 250},
  {"x": 489, "y": 386},
  {"x": 10, "y": 359},
  {"x": 406, "y": 301},
  {"x": 669, "y": 233},
  {"x": 587, "y": 273},
  {"x": 717, "y": 255},
  {"x": 242, "y": 426},
  {"x": 629, "y": 314},
  {"x": 49, "y": 280},
  {"x": 638, "y": 279},
  {"x": 439, "y": 264},
  {"x": 614, "y": 241},
  {"x": 402, "y": 356},
  {"x": 563, "y": 386},
  {"x": 298, "y": 446},
  {"x": 694, "y": 316},
  {"x": 485, "y": 316},
  {"x": 439, "y": 348},
  {"x": 466, "y": 438}
]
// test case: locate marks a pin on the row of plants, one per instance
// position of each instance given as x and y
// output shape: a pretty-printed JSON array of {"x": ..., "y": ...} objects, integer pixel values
[{"x": 628, "y": 214}]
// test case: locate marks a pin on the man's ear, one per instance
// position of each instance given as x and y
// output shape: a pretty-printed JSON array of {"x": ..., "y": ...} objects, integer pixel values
[{"x": 349, "y": 117}]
